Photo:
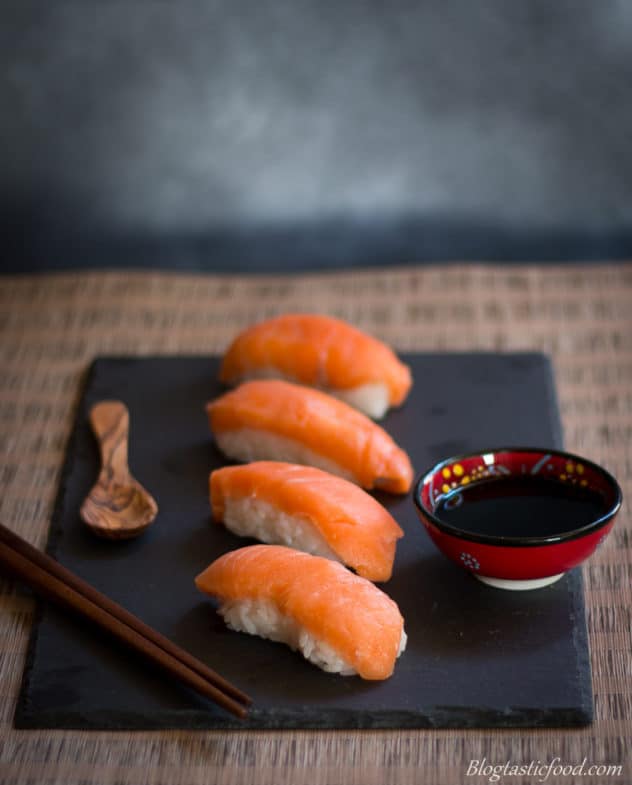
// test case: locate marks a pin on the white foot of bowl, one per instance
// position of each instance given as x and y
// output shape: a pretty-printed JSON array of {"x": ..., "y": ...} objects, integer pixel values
[{"x": 503, "y": 583}]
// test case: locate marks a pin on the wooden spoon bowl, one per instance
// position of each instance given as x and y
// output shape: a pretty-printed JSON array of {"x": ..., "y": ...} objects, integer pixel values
[{"x": 117, "y": 507}]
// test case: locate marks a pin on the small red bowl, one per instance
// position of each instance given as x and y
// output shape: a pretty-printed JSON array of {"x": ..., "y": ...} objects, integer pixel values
[{"x": 507, "y": 561}]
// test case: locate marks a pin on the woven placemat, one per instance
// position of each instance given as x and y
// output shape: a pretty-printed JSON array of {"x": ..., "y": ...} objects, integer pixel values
[{"x": 52, "y": 326}]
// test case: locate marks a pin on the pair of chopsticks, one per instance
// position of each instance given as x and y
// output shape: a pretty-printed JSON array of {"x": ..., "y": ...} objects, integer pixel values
[{"x": 52, "y": 581}]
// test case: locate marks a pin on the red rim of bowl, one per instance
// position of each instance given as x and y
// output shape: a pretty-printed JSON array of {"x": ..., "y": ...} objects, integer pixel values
[{"x": 490, "y": 539}]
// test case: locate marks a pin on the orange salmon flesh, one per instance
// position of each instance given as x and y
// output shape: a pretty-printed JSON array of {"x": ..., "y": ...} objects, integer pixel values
[
  {"x": 350, "y": 614},
  {"x": 356, "y": 527},
  {"x": 319, "y": 422},
  {"x": 316, "y": 350}
]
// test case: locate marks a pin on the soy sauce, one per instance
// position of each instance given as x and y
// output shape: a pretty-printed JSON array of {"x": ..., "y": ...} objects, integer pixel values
[{"x": 522, "y": 506}]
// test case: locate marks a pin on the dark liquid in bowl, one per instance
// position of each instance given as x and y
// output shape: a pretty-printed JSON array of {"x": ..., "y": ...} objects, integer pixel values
[{"x": 522, "y": 506}]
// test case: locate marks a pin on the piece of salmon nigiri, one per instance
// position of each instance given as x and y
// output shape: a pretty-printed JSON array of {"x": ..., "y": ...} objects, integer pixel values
[
  {"x": 308, "y": 509},
  {"x": 322, "y": 352},
  {"x": 275, "y": 420},
  {"x": 337, "y": 620}
]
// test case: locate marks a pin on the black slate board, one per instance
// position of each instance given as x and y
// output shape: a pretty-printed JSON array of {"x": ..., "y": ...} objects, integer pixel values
[{"x": 476, "y": 656}]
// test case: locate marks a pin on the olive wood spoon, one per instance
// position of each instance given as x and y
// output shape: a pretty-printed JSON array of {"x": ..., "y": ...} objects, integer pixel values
[{"x": 117, "y": 507}]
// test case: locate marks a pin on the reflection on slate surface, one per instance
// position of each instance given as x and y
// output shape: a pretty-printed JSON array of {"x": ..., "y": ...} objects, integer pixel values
[{"x": 476, "y": 656}]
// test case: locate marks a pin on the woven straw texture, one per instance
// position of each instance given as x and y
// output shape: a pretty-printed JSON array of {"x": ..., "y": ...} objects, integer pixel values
[{"x": 52, "y": 326}]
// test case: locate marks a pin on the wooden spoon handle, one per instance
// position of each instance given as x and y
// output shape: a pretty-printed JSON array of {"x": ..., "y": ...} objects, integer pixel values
[{"x": 110, "y": 423}]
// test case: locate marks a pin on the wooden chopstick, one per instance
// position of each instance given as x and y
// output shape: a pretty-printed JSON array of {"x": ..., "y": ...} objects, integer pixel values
[{"x": 55, "y": 582}]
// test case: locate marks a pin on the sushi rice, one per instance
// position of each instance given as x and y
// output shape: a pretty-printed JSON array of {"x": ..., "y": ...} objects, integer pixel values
[{"x": 263, "y": 618}]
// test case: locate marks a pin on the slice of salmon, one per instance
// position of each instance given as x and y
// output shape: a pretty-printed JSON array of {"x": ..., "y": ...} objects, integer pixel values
[
  {"x": 315, "y": 350},
  {"x": 355, "y": 527},
  {"x": 348, "y": 613},
  {"x": 308, "y": 427}
]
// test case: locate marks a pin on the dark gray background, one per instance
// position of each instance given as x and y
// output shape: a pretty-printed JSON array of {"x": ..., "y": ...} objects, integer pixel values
[{"x": 284, "y": 133}]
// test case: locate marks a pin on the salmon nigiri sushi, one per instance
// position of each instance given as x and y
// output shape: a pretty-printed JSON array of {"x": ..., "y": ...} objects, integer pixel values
[
  {"x": 337, "y": 620},
  {"x": 275, "y": 420},
  {"x": 322, "y": 352},
  {"x": 308, "y": 509}
]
